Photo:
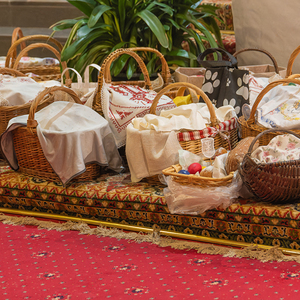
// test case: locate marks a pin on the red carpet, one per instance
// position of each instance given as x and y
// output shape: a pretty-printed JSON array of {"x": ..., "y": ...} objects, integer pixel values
[{"x": 41, "y": 264}]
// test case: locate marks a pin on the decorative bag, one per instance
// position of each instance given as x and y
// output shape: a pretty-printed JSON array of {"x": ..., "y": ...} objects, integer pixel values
[{"x": 224, "y": 83}]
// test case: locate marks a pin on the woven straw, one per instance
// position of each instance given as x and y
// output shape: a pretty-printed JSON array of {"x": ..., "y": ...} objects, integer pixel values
[
  {"x": 250, "y": 128},
  {"x": 196, "y": 180},
  {"x": 51, "y": 72},
  {"x": 195, "y": 146},
  {"x": 29, "y": 152},
  {"x": 272, "y": 182},
  {"x": 262, "y": 51},
  {"x": 105, "y": 76},
  {"x": 9, "y": 112}
]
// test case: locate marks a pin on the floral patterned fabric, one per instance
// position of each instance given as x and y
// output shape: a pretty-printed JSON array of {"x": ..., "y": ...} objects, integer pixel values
[{"x": 281, "y": 148}]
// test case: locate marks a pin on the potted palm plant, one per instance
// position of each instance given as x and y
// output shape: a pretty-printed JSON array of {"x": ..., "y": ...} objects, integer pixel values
[{"x": 107, "y": 25}]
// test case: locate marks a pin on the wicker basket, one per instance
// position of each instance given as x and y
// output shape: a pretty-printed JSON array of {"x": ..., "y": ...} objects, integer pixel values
[
  {"x": 29, "y": 152},
  {"x": 272, "y": 182},
  {"x": 9, "y": 112},
  {"x": 250, "y": 128},
  {"x": 51, "y": 72},
  {"x": 105, "y": 76},
  {"x": 196, "y": 180},
  {"x": 263, "y": 70},
  {"x": 227, "y": 140}
]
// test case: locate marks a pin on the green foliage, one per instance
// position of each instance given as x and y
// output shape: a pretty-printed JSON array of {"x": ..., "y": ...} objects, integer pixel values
[{"x": 162, "y": 24}]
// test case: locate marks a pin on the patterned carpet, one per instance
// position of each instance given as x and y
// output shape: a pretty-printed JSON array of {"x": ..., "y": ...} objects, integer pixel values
[
  {"x": 52, "y": 265},
  {"x": 112, "y": 198}
]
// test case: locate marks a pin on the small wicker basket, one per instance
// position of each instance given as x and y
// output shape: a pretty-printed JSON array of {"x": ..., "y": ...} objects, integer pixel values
[
  {"x": 227, "y": 139},
  {"x": 105, "y": 76},
  {"x": 51, "y": 72},
  {"x": 272, "y": 182},
  {"x": 250, "y": 128},
  {"x": 29, "y": 152},
  {"x": 196, "y": 180}
]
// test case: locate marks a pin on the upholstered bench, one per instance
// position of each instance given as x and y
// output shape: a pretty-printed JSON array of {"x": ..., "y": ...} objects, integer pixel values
[{"x": 113, "y": 201}]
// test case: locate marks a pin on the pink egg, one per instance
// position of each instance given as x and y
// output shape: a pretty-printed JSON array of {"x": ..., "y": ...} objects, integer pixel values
[{"x": 194, "y": 168}]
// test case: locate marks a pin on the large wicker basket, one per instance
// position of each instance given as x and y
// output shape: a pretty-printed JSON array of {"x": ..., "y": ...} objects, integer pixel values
[
  {"x": 105, "y": 76},
  {"x": 29, "y": 152},
  {"x": 250, "y": 127},
  {"x": 51, "y": 72},
  {"x": 9, "y": 112},
  {"x": 191, "y": 140},
  {"x": 272, "y": 182}
]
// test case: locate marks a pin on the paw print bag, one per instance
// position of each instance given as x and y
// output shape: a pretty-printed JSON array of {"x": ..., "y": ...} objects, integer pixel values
[{"x": 224, "y": 83}]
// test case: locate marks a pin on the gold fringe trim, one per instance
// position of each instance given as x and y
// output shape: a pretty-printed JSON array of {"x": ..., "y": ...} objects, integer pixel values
[{"x": 253, "y": 252}]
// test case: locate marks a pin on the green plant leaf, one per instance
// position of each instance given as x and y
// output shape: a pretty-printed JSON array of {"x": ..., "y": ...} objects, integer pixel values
[
  {"x": 96, "y": 14},
  {"x": 86, "y": 6},
  {"x": 155, "y": 25},
  {"x": 64, "y": 24}
]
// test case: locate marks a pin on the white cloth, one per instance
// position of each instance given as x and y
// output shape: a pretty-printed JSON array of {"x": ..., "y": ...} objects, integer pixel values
[
  {"x": 280, "y": 108},
  {"x": 26, "y": 61},
  {"x": 122, "y": 103},
  {"x": 149, "y": 152},
  {"x": 71, "y": 135},
  {"x": 17, "y": 90},
  {"x": 283, "y": 147},
  {"x": 194, "y": 116}
]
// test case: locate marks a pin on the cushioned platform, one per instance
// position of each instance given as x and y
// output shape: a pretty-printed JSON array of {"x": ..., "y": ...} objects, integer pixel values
[{"x": 114, "y": 199}]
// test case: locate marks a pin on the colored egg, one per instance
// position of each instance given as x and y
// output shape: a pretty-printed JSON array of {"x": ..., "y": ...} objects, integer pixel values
[
  {"x": 194, "y": 168},
  {"x": 185, "y": 172}
]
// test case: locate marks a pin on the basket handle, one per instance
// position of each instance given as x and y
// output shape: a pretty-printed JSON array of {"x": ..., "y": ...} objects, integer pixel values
[
  {"x": 69, "y": 81},
  {"x": 294, "y": 76},
  {"x": 213, "y": 117},
  {"x": 17, "y": 34},
  {"x": 193, "y": 94},
  {"x": 271, "y": 85},
  {"x": 104, "y": 74},
  {"x": 9, "y": 56},
  {"x": 165, "y": 71},
  {"x": 31, "y": 122},
  {"x": 11, "y": 72},
  {"x": 291, "y": 61},
  {"x": 266, "y": 132},
  {"x": 262, "y": 51},
  {"x": 40, "y": 45}
]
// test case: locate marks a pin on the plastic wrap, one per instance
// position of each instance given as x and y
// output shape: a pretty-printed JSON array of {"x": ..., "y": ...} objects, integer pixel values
[{"x": 193, "y": 200}]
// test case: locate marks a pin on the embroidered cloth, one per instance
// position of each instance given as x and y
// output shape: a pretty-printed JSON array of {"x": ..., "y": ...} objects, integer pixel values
[{"x": 122, "y": 103}]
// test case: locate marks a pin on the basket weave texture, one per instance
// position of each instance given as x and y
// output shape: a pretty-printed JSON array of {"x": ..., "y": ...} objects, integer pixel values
[
  {"x": 43, "y": 73},
  {"x": 272, "y": 182},
  {"x": 29, "y": 152},
  {"x": 250, "y": 128},
  {"x": 226, "y": 140}
]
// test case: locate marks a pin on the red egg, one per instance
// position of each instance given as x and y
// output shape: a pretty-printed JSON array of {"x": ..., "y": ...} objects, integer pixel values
[{"x": 194, "y": 168}]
